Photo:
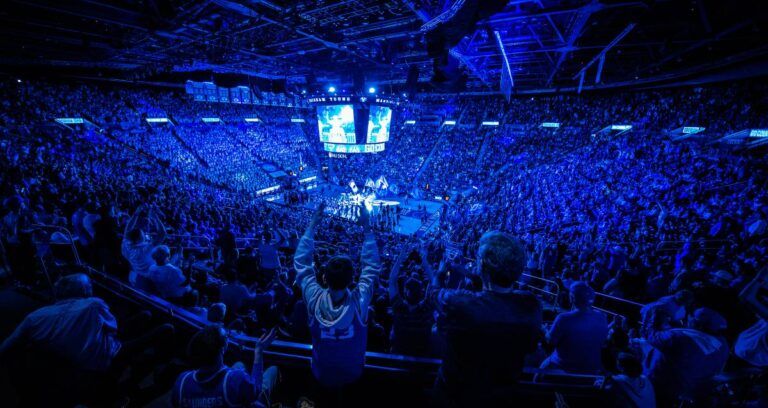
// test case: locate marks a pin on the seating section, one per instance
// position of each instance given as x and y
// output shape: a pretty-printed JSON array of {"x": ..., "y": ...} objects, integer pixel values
[{"x": 640, "y": 218}]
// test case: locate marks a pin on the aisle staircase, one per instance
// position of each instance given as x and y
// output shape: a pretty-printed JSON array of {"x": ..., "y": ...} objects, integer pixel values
[
  {"x": 489, "y": 134},
  {"x": 429, "y": 157},
  {"x": 308, "y": 129},
  {"x": 189, "y": 148}
]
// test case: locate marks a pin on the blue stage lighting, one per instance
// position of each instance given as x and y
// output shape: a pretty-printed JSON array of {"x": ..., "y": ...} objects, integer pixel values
[
  {"x": 331, "y": 89},
  {"x": 371, "y": 90}
]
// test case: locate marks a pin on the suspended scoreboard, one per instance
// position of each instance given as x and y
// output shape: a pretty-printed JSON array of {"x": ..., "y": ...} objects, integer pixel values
[{"x": 353, "y": 124}]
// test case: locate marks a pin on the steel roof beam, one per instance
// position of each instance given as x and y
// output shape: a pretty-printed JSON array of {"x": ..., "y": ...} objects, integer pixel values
[
  {"x": 698, "y": 44},
  {"x": 582, "y": 16},
  {"x": 601, "y": 54},
  {"x": 93, "y": 14}
]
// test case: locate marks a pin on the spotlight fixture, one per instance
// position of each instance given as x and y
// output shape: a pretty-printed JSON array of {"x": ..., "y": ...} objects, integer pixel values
[
  {"x": 371, "y": 90},
  {"x": 331, "y": 89}
]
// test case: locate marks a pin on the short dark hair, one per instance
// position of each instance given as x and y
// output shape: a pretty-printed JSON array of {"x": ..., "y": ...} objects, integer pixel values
[
  {"x": 502, "y": 257},
  {"x": 206, "y": 345},
  {"x": 629, "y": 364},
  {"x": 338, "y": 272},
  {"x": 135, "y": 235},
  {"x": 581, "y": 294},
  {"x": 77, "y": 285},
  {"x": 412, "y": 292}
]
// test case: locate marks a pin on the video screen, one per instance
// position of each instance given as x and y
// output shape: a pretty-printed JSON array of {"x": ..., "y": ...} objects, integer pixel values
[
  {"x": 336, "y": 124},
  {"x": 378, "y": 124},
  {"x": 344, "y": 148}
]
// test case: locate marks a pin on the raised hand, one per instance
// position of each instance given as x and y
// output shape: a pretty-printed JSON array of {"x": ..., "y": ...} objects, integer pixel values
[
  {"x": 317, "y": 216},
  {"x": 365, "y": 219},
  {"x": 264, "y": 341}
]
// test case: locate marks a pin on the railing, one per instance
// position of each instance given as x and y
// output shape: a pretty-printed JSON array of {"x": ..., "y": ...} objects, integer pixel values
[
  {"x": 721, "y": 186},
  {"x": 296, "y": 353},
  {"x": 677, "y": 245},
  {"x": 62, "y": 230},
  {"x": 208, "y": 244},
  {"x": 616, "y": 306},
  {"x": 286, "y": 353},
  {"x": 550, "y": 288},
  {"x": 43, "y": 245}
]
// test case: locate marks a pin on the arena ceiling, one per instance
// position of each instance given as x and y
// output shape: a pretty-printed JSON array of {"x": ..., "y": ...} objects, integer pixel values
[{"x": 451, "y": 44}]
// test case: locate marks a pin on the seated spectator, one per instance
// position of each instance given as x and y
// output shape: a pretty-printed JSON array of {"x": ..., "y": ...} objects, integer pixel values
[
  {"x": 248, "y": 266},
  {"x": 79, "y": 328},
  {"x": 630, "y": 388},
  {"x": 269, "y": 259},
  {"x": 137, "y": 249},
  {"x": 217, "y": 313},
  {"x": 578, "y": 336},
  {"x": 683, "y": 361},
  {"x": 487, "y": 333},
  {"x": 674, "y": 305},
  {"x": 238, "y": 298},
  {"x": 166, "y": 279},
  {"x": 217, "y": 384},
  {"x": 752, "y": 344}
]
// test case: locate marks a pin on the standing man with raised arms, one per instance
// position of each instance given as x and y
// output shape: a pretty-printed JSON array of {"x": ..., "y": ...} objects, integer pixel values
[{"x": 338, "y": 310}]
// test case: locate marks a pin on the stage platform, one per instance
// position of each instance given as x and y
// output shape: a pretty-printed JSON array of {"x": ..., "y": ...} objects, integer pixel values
[{"x": 416, "y": 216}]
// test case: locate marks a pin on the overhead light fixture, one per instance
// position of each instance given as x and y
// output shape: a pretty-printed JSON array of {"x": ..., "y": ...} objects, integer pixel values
[
  {"x": 331, "y": 89},
  {"x": 371, "y": 90}
]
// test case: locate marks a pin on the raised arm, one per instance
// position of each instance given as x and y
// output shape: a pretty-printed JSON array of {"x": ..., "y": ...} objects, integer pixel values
[
  {"x": 369, "y": 258},
  {"x": 161, "y": 232},
  {"x": 435, "y": 278},
  {"x": 257, "y": 370},
  {"x": 749, "y": 294},
  {"x": 394, "y": 290},
  {"x": 131, "y": 224},
  {"x": 303, "y": 260}
]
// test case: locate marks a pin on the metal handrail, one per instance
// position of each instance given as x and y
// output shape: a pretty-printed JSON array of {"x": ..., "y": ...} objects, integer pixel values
[
  {"x": 295, "y": 350},
  {"x": 63, "y": 231},
  {"x": 207, "y": 240},
  {"x": 245, "y": 239},
  {"x": 549, "y": 283},
  {"x": 725, "y": 185},
  {"x": 618, "y": 299},
  {"x": 662, "y": 243},
  {"x": 606, "y": 311},
  {"x": 76, "y": 255}
]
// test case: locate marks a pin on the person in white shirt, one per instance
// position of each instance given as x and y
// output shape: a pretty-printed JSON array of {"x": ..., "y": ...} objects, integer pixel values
[{"x": 137, "y": 248}]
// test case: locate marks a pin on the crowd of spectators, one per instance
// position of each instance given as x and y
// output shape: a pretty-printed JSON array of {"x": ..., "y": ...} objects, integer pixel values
[{"x": 677, "y": 226}]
